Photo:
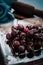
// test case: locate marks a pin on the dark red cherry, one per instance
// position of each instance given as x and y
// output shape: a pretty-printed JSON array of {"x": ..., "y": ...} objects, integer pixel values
[
  {"x": 22, "y": 35},
  {"x": 30, "y": 49},
  {"x": 8, "y": 36},
  {"x": 35, "y": 27},
  {"x": 29, "y": 27},
  {"x": 37, "y": 45},
  {"x": 30, "y": 33},
  {"x": 21, "y": 49},
  {"x": 30, "y": 53},
  {"x": 37, "y": 36},
  {"x": 16, "y": 38},
  {"x": 38, "y": 52},
  {"x": 9, "y": 43},
  {"x": 25, "y": 30},
  {"x": 14, "y": 32},
  {"x": 35, "y": 31},
  {"x": 22, "y": 55},
  {"x": 20, "y": 27},
  {"x": 16, "y": 44},
  {"x": 23, "y": 42},
  {"x": 30, "y": 43}
]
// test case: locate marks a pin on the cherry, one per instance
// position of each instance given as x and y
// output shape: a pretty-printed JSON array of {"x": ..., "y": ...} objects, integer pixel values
[
  {"x": 30, "y": 53},
  {"x": 30, "y": 43},
  {"x": 30, "y": 33},
  {"x": 35, "y": 27},
  {"x": 21, "y": 56},
  {"x": 30, "y": 49},
  {"x": 9, "y": 43},
  {"x": 16, "y": 38},
  {"x": 8, "y": 36},
  {"x": 29, "y": 27},
  {"x": 14, "y": 32},
  {"x": 16, "y": 44},
  {"x": 20, "y": 27},
  {"x": 37, "y": 36},
  {"x": 23, "y": 35},
  {"x": 23, "y": 42},
  {"x": 38, "y": 52},
  {"x": 35, "y": 31},
  {"x": 37, "y": 45},
  {"x": 25, "y": 30},
  {"x": 21, "y": 49}
]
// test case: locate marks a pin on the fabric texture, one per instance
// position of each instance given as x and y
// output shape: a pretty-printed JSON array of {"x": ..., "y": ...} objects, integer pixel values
[{"x": 5, "y": 13}]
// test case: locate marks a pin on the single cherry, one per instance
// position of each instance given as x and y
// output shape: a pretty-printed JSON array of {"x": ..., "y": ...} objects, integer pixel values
[
  {"x": 8, "y": 36},
  {"x": 25, "y": 29},
  {"x": 21, "y": 49},
  {"x": 20, "y": 27},
  {"x": 23, "y": 42},
  {"x": 23, "y": 35},
  {"x": 37, "y": 45},
  {"x": 14, "y": 32},
  {"x": 30, "y": 43},
  {"x": 16, "y": 44}
]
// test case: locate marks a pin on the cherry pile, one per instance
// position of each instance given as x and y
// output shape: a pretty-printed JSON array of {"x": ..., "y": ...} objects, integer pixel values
[{"x": 23, "y": 41}]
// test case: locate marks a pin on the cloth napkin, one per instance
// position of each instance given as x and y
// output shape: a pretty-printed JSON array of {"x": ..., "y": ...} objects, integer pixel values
[{"x": 5, "y": 13}]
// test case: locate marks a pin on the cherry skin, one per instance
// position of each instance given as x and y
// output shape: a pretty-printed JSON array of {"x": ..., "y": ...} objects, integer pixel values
[
  {"x": 14, "y": 32},
  {"x": 16, "y": 43},
  {"x": 8, "y": 36},
  {"x": 37, "y": 45},
  {"x": 22, "y": 35},
  {"x": 20, "y": 27},
  {"x": 21, "y": 49},
  {"x": 30, "y": 43},
  {"x": 23, "y": 42},
  {"x": 25, "y": 30}
]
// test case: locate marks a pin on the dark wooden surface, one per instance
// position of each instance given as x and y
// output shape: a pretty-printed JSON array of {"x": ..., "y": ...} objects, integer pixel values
[
  {"x": 38, "y": 62},
  {"x": 25, "y": 10}
]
